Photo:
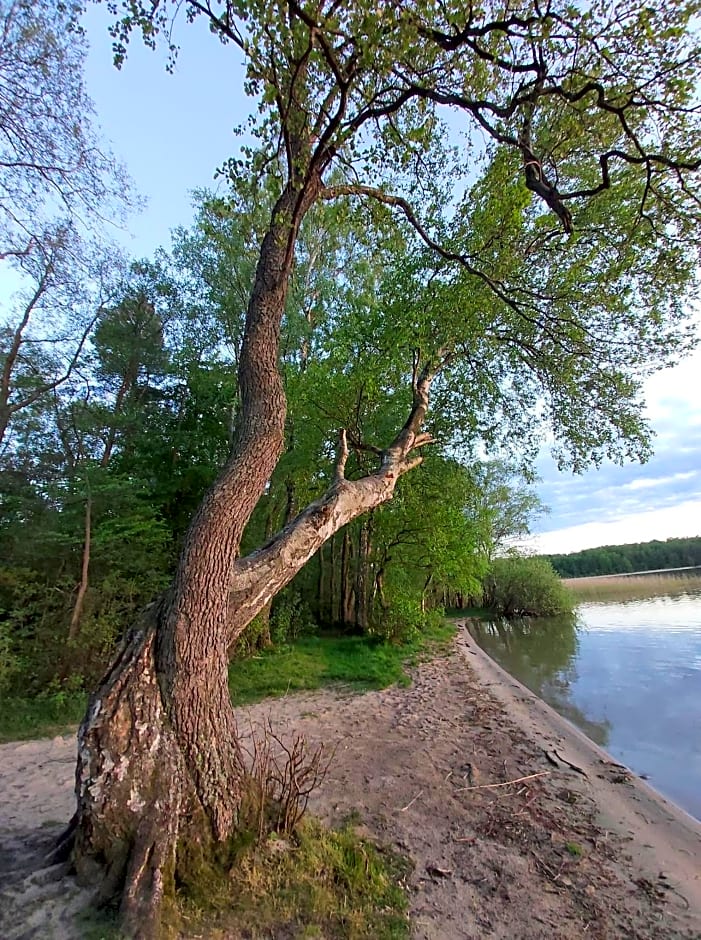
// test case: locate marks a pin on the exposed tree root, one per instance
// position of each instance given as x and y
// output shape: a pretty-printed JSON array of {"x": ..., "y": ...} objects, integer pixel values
[{"x": 138, "y": 798}]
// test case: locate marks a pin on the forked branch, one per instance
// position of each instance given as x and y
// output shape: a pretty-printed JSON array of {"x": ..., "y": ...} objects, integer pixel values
[{"x": 261, "y": 575}]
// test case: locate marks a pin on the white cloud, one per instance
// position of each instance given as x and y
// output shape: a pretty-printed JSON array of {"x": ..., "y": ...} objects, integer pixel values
[
  {"x": 677, "y": 521},
  {"x": 659, "y": 500},
  {"x": 643, "y": 484}
]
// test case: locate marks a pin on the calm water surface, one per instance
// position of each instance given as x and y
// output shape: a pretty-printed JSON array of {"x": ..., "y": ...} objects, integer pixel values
[{"x": 628, "y": 673}]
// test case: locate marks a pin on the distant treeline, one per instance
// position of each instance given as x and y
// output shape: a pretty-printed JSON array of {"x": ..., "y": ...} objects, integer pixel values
[{"x": 619, "y": 559}]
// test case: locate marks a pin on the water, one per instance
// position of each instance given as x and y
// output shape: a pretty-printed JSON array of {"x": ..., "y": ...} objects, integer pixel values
[{"x": 628, "y": 673}]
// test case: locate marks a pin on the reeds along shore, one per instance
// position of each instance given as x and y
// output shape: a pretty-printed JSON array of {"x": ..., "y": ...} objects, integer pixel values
[{"x": 633, "y": 585}]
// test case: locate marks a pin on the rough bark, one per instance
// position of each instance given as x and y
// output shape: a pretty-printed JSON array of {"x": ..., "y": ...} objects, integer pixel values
[{"x": 158, "y": 747}]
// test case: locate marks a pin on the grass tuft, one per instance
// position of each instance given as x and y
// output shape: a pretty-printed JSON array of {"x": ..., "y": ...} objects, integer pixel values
[{"x": 320, "y": 882}]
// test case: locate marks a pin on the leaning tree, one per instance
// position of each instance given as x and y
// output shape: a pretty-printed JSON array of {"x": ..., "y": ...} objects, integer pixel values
[{"x": 561, "y": 258}]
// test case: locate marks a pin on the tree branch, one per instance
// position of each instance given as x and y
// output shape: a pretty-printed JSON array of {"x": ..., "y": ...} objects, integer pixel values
[
  {"x": 389, "y": 199},
  {"x": 261, "y": 575}
]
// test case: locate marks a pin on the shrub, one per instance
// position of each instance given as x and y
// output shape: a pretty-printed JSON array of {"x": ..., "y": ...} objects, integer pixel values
[
  {"x": 291, "y": 618},
  {"x": 524, "y": 585}
]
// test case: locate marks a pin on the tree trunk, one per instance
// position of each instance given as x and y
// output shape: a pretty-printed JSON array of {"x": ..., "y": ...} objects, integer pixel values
[
  {"x": 335, "y": 589},
  {"x": 159, "y": 771},
  {"x": 347, "y": 581},
  {"x": 322, "y": 586},
  {"x": 362, "y": 581},
  {"x": 158, "y": 748},
  {"x": 84, "y": 573},
  {"x": 424, "y": 593}
]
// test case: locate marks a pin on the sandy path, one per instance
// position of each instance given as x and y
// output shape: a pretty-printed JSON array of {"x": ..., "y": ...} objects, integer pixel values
[{"x": 488, "y": 863}]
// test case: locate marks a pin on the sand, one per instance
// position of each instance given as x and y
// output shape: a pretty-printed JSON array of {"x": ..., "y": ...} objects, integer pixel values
[{"x": 577, "y": 848}]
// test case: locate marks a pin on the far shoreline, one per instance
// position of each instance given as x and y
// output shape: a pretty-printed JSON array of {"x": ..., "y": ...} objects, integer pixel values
[{"x": 628, "y": 574}]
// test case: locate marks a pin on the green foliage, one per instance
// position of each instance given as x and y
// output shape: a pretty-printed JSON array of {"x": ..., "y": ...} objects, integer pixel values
[
  {"x": 10, "y": 662},
  {"x": 321, "y": 882},
  {"x": 621, "y": 559},
  {"x": 518, "y": 585},
  {"x": 291, "y": 618},
  {"x": 52, "y": 712},
  {"x": 403, "y": 620},
  {"x": 551, "y": 296},
  {"x": 39, "y": 574}
]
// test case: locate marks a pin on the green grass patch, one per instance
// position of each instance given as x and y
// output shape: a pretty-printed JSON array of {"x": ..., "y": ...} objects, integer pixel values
[
  {"x": 361, "y": 663},
  {"x": 321, "y": 883},
  {"x": 40, "y": 717}
]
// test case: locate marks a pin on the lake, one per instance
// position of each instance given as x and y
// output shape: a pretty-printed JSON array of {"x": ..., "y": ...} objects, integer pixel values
[{"x": 627, "y": 671}]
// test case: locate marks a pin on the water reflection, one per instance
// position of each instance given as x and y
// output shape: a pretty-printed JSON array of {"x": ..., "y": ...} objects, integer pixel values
[
  {"x": 627, "y": 672},
  {"x": 542, "y": 654}
]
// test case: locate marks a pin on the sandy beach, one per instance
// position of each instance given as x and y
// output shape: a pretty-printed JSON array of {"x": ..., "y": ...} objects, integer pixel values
[{"x": 518, "y": 827}]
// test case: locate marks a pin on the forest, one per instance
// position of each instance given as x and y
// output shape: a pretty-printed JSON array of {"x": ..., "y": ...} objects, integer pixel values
[
  {"x": 320, "y": 406},
  {"x": 102, "y": 471},
  {"x": 621, "y": 559}
]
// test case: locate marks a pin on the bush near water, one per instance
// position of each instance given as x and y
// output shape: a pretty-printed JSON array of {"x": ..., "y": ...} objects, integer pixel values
[{"x": 525, "y": 586}]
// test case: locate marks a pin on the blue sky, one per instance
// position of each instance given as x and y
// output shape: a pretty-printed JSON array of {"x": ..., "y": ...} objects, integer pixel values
[
  {"x": 634, "y": 503},
  {"x": 173, "y": 131}
]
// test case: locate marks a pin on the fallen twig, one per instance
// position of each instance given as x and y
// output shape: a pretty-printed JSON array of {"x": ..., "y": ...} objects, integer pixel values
[
  {"x": 546, "y": 868},
  {"x": 411, "y": 802},
  {"x": 507, "y": 783},
  {"x": 525, "y": 806}
]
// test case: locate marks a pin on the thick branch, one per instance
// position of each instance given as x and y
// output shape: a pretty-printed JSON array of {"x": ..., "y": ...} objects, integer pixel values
[{"x": 260, "y": 576}]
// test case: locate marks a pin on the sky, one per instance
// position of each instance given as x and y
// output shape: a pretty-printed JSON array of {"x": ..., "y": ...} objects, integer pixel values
[
  {"x": 173, "y": 131},
  {"x": 634, "y": 503}
]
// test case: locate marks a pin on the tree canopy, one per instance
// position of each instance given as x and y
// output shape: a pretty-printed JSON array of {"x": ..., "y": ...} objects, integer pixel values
[
  {"x": 459, "y": 229},
  {"x": 622, "y": 559},
  {"x": 542, "y": 163}
]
